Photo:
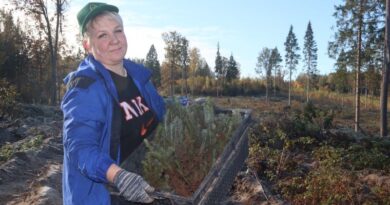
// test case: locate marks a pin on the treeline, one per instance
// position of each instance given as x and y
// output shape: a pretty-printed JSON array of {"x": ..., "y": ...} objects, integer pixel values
[
  {"x": 29, "y": 52},
  {"x": 25, "y": 61}
]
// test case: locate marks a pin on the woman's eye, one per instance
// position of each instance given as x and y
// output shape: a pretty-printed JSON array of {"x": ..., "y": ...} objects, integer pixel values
[
  {"x": 102, "y": 35},
  {"x": 118, "y": 31}
]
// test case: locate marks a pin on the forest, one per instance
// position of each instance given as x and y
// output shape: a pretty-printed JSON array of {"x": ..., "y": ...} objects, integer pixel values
[
  {"x": 299, "y": 145},
  {"x": 34, "y": 61}
]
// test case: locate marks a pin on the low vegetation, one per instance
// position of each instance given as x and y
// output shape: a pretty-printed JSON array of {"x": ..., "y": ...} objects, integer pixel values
[
  {"x": 307, "y": 161},
  {"x": 7, "y": 150}
]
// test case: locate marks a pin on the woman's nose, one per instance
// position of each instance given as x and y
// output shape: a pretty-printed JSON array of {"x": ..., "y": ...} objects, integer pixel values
[{"x": 114, "y": 39}]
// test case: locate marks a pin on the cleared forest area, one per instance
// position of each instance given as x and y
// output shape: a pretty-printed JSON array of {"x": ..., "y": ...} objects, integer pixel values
[{"x": 308, "y": 153}]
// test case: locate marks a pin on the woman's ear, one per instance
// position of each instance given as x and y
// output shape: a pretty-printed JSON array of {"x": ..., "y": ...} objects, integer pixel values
[{"x": 86, "y": 45}]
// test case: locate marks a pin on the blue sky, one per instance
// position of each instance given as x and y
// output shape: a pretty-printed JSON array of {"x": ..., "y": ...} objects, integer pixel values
[{"x": 242, "y": 28}]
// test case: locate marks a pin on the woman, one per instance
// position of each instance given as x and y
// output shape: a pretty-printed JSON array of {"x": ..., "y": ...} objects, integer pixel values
[{"x": 110, "y": 106}]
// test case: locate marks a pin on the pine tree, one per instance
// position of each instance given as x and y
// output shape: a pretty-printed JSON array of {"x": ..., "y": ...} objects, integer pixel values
[
  {"x": 264, "y": 63},
  {"x": 204, "y": 69},
  {"x": 153, "y": 63},
  {"x": 218, "y": 68},
  {"x": 309, "y": 57},
  {"x": 291, "y": 57},
  {"x": 385, "y": 75},
  {"x": 232, "y": 71},
  {"x": 359, "y": 30},
  {"x": 341, "y": 79},
  {"x": 275, "y": 60}
]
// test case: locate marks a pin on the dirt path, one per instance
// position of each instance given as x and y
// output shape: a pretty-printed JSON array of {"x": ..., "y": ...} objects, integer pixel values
[
  {"x": 32, "y": 178},
  {"x": 32, "y": 175}
]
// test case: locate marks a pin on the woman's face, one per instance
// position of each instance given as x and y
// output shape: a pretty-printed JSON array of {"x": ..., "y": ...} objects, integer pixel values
[{"x": 107, "y": 40}]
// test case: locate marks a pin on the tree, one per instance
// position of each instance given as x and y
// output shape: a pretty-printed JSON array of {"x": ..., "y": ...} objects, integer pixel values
[
  {"x": 140, "y": 61},
  {"x": 194, "y": 66},
  {"x": 275, "y": 61},
  {"x": 153, "y": 63},
  {"x": 341, "y": 80},
  {"x": 359, "y": 26},
  {"x": 291, "y": 57},
  {"x": 194, "y": 61},
  {"x": 309, "y": 57},
  {"x": 218, "y": 68},
  {"x": 52, "y": 26},
  {"x": 173, "y": 50},
  {"x": 372, "y": 80},
  {"x": 14, "y": 54},
  {"x": 184, "y": 59},
  {"x": 385, "y": 75},
  {"x": 225, "y": 64},
  {"x": 204, "y": 69},
  {"x": 264, "y": 63},
  {"x": 10, "y": 47},
  {"x": 232, "y": 71}
]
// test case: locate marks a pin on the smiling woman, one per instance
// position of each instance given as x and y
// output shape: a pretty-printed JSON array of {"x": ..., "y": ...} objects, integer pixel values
[
  {"x": 105, "y": 39},
  {"x": 109, "y": 108}
]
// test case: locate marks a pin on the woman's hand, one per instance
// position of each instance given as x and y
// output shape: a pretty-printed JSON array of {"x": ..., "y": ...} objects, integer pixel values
[{"x": 133, "y": 187}]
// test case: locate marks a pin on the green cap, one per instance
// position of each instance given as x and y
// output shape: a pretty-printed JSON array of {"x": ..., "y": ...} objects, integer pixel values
[{"x": 91, "y": 10}]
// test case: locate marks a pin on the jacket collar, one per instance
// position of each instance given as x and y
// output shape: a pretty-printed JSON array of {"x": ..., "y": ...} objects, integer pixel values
[
  {"x": 137, "y": 72},
  {"x": 90, "y": 67}
]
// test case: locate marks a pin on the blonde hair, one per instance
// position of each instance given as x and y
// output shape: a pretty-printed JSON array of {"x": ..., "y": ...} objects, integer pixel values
[{"x": 89, "y": 24}]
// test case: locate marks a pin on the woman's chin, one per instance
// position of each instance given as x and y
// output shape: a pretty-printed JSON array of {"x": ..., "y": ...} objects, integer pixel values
[{"x": 118, "y": 55}]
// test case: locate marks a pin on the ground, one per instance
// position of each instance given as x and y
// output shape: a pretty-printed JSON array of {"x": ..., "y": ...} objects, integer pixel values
[{"x": 31, "y": 152}]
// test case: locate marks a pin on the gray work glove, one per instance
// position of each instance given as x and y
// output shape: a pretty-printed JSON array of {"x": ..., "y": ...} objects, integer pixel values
[{"x": 133, "y": 187}]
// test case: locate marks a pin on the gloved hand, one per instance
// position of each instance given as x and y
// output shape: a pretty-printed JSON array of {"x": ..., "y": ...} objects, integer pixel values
[{"x": 133, "y": 187}]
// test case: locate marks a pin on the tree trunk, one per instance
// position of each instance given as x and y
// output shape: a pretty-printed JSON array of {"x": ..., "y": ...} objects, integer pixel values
[
  {"x": 385, "y": 75},
  {"x": 185, "y": 80},
  {"x": 358, "y": 62},
  {"x": 217, "y": 81},
  {"x": 171, "y": 89},
  {"x": 275, "y": 83},
  {"x": 266, "y": 88},
  {"x": 307, "y": 87},
  {"x": 289, "y": 90},
  {"x": 59, "y": 5},
  {"x": 53, "y": 46},
  {"x": 308, "y": 79}
]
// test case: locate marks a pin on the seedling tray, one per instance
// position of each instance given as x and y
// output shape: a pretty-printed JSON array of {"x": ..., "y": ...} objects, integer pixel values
[{"x": 218, "y": 181}]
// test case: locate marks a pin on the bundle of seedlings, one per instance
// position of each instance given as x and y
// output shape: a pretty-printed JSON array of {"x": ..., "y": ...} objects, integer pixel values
[{"x": 186, "y": 145}]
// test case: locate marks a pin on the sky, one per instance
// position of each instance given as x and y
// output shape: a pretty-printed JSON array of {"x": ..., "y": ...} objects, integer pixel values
[{"x": 242, "y": 28}]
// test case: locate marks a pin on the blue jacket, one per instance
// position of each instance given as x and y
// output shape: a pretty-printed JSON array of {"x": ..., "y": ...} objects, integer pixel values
[{"x": 88, "y": 111}]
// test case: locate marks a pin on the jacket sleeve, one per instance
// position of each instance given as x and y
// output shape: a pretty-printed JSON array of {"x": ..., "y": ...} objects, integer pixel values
[{"x": 84, "y": 120}]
